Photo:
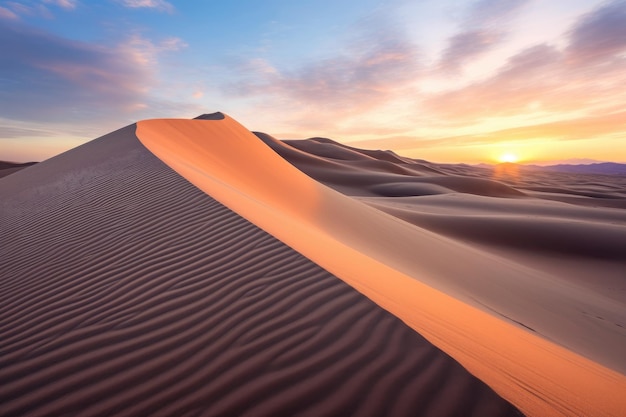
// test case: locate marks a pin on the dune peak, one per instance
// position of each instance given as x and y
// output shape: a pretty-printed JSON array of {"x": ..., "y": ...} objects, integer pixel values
[{"x": 211, "y": 116}]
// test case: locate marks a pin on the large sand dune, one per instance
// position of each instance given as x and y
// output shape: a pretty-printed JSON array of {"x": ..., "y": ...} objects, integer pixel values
[
  {"x": 125, "y": 290},
  {"x": 411, "y": 271}
]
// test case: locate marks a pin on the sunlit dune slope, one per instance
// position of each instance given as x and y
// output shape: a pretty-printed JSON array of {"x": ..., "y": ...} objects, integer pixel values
[
  {"x": 127, "y": 291},
  {"x": 398, "y": 265}
]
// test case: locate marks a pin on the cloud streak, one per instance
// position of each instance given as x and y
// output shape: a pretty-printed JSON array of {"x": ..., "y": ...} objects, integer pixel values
[
  {"x": 599, "y": 35},
  {"x": 45, "y": 76},
  {"x": 369, "y": 72},
  {"x": 47, "y": 79},
  {"x": 160, "y": 5},
  {"x": 584, "y": 75},
  {"x": 64, "y": 4},
  {"x": 483, "y": 28},
  {"x": 574, "y": 129}
]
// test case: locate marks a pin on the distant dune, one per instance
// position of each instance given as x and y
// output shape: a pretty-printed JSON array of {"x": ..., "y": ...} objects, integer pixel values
[
  {"x": 7, "y": 168},
  {"x": 601, "y": 168},
  {"x": 129, "y": 291},
  {"x": 594, "y": 168}
]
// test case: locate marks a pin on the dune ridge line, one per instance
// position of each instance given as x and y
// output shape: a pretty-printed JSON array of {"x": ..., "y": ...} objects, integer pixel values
[
  {"x": 229, "y": 163},
  {"x": 127, "y": 291}
]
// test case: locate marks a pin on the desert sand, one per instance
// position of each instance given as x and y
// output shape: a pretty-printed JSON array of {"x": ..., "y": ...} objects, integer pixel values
[
  {"x": 540, "y": 341},
  {"x": 128, "y": 291},
  {"x": 235, "y": 274}
]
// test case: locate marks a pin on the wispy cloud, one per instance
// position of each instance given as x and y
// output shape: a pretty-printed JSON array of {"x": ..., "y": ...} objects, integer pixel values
[
  {"x": 562, "y": 130},
  {"x": 483, "y": 28},
  {"x": 13, "y": 132},
  {"x": 50, "y": 76},
  {"x": 64, "y": 4},
  {"x": 46, "y": 78},
  {"x": 15, "y": 10},
  {"x": 368, "y": 73},
  {"x": 467, "y": 45},
  {"x": 160, "y": 5},
  {"x": 572, "y": 129},
  {"x": 7, "y": 14},
  {"x": 600, "y": 34},
  {"x": 485, "y": 13},
  {"x": 586, "y": 74}
]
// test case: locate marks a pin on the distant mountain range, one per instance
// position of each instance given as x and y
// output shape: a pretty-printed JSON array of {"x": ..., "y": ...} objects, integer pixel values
[
  {"x": 600, "y": 168},
  {"x": 604, "y": 168}
]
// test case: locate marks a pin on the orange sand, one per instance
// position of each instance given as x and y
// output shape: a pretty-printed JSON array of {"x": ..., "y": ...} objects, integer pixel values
[{"x": 387, "y": 260}]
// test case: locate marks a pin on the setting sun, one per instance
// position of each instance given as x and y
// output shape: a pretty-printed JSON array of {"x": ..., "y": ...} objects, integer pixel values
[{"x": 508, "y": 157}]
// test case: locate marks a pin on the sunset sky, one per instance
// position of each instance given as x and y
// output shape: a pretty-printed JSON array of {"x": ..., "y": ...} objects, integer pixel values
[{"x": 443, "y": 80}]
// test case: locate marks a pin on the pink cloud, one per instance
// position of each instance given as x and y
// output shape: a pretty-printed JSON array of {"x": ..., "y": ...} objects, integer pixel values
[
  {"x": 64, "y": 4},
  {"x": 585, "y": 75},
  {"x": 53, "y": 76},
  {"x": 7, "y": 14},
  {"x": 160, "y": 5},
  {"x": 318, "y": 95}
]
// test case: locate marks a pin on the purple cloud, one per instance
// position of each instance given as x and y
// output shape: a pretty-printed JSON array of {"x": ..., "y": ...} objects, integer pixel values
[
  {"x": 481, "y": 31},
  {"x": 7, "y": 14},
  {"x": 587, "y": 73},
  {"x": 599, "y": 34},
  {"x": 160, "y": 5},
  {"x": 366, "y": 75},
  {"x": 521, "y": 81},
  {"x": 467, "y": 45},
  {"x": 64, "y": 4},
  {"x": 485, "y": 13},
  {"x": 45, "y": 77}
]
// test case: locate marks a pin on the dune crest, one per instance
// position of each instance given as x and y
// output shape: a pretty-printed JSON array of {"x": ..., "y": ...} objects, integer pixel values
[
  {"x": 127, "y": 291},
  {"x": 376, "y": 254}
]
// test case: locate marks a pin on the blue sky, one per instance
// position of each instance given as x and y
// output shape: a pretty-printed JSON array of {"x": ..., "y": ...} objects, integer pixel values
[{"x": 447, "y": 80}]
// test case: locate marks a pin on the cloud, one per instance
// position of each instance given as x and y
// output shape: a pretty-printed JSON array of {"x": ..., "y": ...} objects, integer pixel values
[
  {"x": 467, "y": 45},
  {"x": 160, "y": 5},
  {"x": 588, "y": 73},
  {"x": 13, "y": 132},
  {"x": 527, "y": 77},
  {"x": 7, "y": 14},
  {"x": 484, "y": 28},
  {"x": 64, "y": 4},
  {"x": 46, "y": 78},
  {"x": 369, "y": 72},
  {"x": 486, "y": 13},
  {"x": 600, "y": 34},
  {"x": 572, "y": 129},
  {"x": 15, "y": 10}
]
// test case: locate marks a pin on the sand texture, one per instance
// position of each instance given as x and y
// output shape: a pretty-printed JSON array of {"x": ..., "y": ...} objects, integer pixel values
[
  {"x": 125, "y": 290},
  {"x": 549, "y": 343}
]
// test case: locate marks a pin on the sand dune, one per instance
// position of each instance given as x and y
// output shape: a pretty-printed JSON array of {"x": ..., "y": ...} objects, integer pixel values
[
  {"x": 125, "y": 290},
  {"x": 128, "y": 291},
  {"x": 7, "y": 168},
  {"x": 391, "y": 261}
]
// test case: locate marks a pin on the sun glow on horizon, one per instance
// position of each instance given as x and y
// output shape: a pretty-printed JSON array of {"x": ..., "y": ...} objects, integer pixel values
[{"x": 508, "y": 157}]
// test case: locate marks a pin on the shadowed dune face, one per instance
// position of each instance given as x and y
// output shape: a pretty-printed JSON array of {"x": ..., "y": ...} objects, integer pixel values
[
  {"x": 7, "y": 168},
  {"x": 127, "y": 291},
  {"x": 484, "y": 309},
  {"x": 568, "y": 230},
  {"x": 211, "y": 116},
  {"x": 378, "y": 173}
]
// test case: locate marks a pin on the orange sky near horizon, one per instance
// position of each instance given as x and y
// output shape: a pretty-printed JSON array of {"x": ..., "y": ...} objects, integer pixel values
[{"x": 443, "y": 81}]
